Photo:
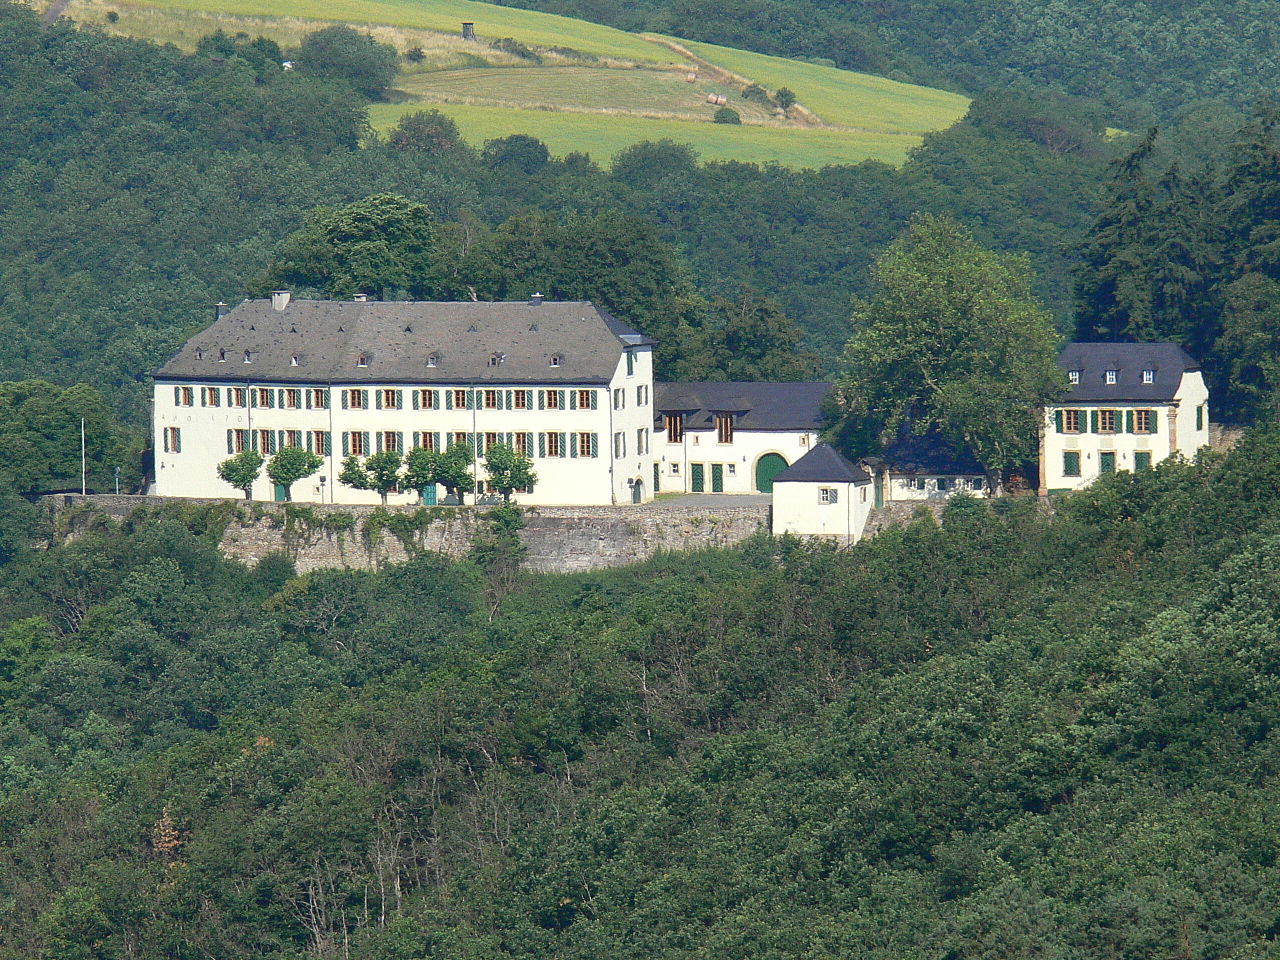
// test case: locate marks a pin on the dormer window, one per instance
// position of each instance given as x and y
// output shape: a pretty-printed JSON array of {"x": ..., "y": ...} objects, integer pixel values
[
  {"x": 1073, "y": 376},
  {"x": 1112, "y": 376},
  {"x": 199, "y": 354},
  {"x": 222, "y": 356},
  {"x": 495, "y": 359},
  {"x": 248, "y": 358},
  {"x": 1148, "y": 376},
  {"x": 433, "y": 360},
  {"x": 293, "y": 361},
  {"x": 556, "y": 360},
  {"x": 362, "y": 360}
]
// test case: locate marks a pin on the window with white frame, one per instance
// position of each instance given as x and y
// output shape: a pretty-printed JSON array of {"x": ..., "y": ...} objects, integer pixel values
[
  {"x": 1073, "y": 376},
  {"x": 1148, "y": 376},
  {"x": 1113, "y": 376},
  {"x": 292, "y": 398},
  {"x": 828, "y": 495},
  {"x": 319, "y": 398},
  {"x": 619, "y": 445},
  {"x": 236, "y": 396},
  {"x": 184, "y": 396}
]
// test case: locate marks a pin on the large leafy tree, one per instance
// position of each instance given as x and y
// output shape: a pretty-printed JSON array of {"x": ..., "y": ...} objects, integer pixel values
[
  {"x": 291, "y": 464},
  {"x": 952, "y": 340},
  {"x": 453, "y": 470},
  {"x": 379, "y": 472},
  {"x": 379, "y": 246},
  {"x": 242, "y": 470},
  {"x": 749, "y": 337},
  {"x": 40, "y": 431},
  {"x": 340, "y": 53},
  {"x": 508, "y": 470}
]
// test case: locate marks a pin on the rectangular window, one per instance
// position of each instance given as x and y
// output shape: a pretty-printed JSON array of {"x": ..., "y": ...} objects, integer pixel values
[
  {"x": 293, "y": 438},
  {"x": 731, "y": 469},
  {"x": 210, "y": 396},
  {"x": 675, "y": 427},
  {"x": 1142, "y": 460},
  {"x": 828, "y": 495},
  {"x": 619, "y": 445},
  {"x": 642, "y": 441},
  {"x": 318, "y": 442},
  {"x": 521, "y": 399},
  {"x": 554, "y": 400},
  {"x": 585, "y": 446},
  {"x": 1148, "y": 376},
  {"x": 357, "y": 400},
  {"x": 631, "y": 363},
  {"x": 390, "y": 399},
  {"x": 523, "y": 443},
  {"x": 319, "y": 398},
  {"x": 1142, "y": 421},
  {"x": 184, "y": 396},
  {"x": 619, "y": 398},
  {"x": 586, "y": 400},
  {"x": 389, "y": 440},
  {"x": 724, "y": 428},
  {"x": 1073, "y": 421},
  {"x": 554, "y": 448},
  {"x": 460, "y": 440},
  {"x": 1106, "y": 421},
  {"x": 1200, "y": 417},
  {"x": 292, "y": 398},
  {"x": 1112, "y": 376},
  {"x": 428, "y": 440},
  {"x": 1107, "y": 462},
  {"x": 358, "y": 448},
  {"x": 490, "y": 440},
  {"x": 675, "y": 469},
  {"x": 1071, "y": 463},
  {"x": 239, "y": 441},
  {"x": 460, "y": 399},
  {"x": 1073, "y": 376},
  {"x": 266, "y": 442},
  {"x": 172, "y": 440},
  {"x": 266, "y": 397},
  {"x": 427, "y": 399},
  {"x": 235, "y": 396},
  {"x": 641, "y": 398},
  {"x": 491, "y": 401}
]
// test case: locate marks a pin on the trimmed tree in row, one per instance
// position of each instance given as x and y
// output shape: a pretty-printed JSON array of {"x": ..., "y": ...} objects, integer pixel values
[
  {"x": 286, "y": 467},
  {"x": 507, "y": 470}
]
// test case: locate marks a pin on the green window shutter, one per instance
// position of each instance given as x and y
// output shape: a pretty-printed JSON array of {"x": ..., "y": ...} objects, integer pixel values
[
  {"x": 595, "y": 399},
  {"x": 562, "y": 443},
  {"x": 231, "y": 443},
  {"x": 253, "y": 397},
  {"x": 253, "y": 439},
  {"x": 573, "y": 399},
  {"x": 542, "y": 399},
  {"x": 471, "y": 399},
  {"x": 307, "y": 394},
  {"x": 324, "y": 397},
  {"x": 1199, "y": 417},
  {"x": 310, "y": 443},
  {"x": 1128, "y": 421},
  {"x": 507, "y": 401},
  {"x": 177, "y": 396},
  {"x": 364, "y": 399},
  {"x": 1093, "y": 420},
  {"x": 399, "y": 395},
  {"x": 1155, "y": 424},
  {"x": 1057, "y": 419},
  {"x": 631, "y": 363},
  {"x": 542, "y": 444},
  {"x": 416, "y": 403},
  {"x": 399, "y": 442},
  {"x": 346, "y": 444},
  {"x": 595, "y": 445},
  {"x": 448, "y": 399},
  {"x": 561, "y": 392},
  {"x": 366, "y": 440},
  {"x": 346, "y": 399},
  {"x": 573, "y": 447},
  {"x": 377, "y": 399},
  {"x": 279, "y": 439}
]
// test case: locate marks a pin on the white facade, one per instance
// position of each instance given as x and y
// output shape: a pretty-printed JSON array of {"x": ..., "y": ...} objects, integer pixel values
[
  {"x": 698, "y": 462},
  {"x": 893, "y": 486},
  {"x": 1084, "y": 440},
  {"x": 828, "y": 509},
  {"x": 591, "y": 442}
]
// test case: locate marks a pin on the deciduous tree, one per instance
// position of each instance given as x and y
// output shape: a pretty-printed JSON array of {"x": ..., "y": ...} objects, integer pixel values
[
  {"x": 508, "y": 470},
  {"x": 242, "y": 470},
  {"x": 291, "y": 464},
  {"x": 379, "y": 473}
]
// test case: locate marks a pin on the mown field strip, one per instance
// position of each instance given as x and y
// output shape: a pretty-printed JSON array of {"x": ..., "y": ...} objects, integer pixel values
[{"x": 602, "y": 135}]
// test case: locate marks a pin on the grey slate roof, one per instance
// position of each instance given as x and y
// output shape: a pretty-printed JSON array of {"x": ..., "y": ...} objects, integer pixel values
[
  {"x": 396, "y": 338},
  {"x": 1093, "y": 360},
  {"x": 928, "y": 454},
  {"x": 758, "y": 406},
  {"x": 823, "y": 464}
]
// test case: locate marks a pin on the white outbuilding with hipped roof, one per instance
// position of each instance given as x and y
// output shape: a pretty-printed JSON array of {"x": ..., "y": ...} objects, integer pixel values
[{"x": 822, "y": 495}]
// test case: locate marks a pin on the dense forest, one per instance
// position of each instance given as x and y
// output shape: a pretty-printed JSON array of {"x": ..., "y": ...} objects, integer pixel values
[
  {"x": 1007, "y": 735},
  {"x": 143, "y": 185},
  {"x": 1144, "y": 60}
]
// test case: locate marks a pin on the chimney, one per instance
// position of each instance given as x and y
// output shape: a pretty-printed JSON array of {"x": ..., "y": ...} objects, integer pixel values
[
  {"x": 220, "y": 310},
  {"x": 536, "y": 299},
  {"x": 361, "y": 298},
  {"x": 468, "y": 30},
  {"x": 279, "y": 299}
]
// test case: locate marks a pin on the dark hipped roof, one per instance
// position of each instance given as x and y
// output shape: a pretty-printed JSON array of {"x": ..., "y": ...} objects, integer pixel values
[
  {"x": 929, "y": 454},
  {"x": 823, "y": 464},
  {"x": 328, "y": 337},
  {"x": 1093, "y": 360},
  {"x": 758, "y": 406}
]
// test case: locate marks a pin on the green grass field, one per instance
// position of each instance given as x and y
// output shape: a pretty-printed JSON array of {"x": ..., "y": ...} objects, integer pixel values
[
  {"x": 841, "y": 96},
  {"x": 492, "y": 22},
  {"x": 652, "y": 93},
  {"x": 602, "y": 136}
]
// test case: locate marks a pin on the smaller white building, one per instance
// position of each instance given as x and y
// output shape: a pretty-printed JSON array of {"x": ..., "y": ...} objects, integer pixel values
[
  {"x": 732, "y": 437},
  {"x": 1129, "y": 406},
  {"x": 822, "y": 495}
]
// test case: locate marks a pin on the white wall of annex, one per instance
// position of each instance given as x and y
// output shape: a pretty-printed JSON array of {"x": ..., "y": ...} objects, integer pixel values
[
  {"x": 748, "y": 446},
  {"x": 798, "y": 509}
]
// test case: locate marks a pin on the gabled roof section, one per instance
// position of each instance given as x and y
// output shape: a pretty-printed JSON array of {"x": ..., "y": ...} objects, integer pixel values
[
  {"x": 757, "y": 406},
  {"x": 408, "y": 342},
  {"x": 823, "y": 464},
  {"x": 1168, "y": 361}
]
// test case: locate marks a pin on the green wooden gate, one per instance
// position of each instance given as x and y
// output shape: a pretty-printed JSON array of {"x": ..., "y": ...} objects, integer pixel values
[
  {"x": 699, "y": 477},
  {"x": 282, "y": 493},
  {"x": 768, "y": 467},
  {"x": 429, "y": 495},
  {"x": 717, "y": 478}
]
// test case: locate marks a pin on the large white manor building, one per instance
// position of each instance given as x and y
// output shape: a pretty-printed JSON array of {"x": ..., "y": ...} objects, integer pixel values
[{"x": 564, "y": 383}]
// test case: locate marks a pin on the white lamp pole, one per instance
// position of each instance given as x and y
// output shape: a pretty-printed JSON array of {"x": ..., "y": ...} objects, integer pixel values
[{"x": 83, "y": 470}]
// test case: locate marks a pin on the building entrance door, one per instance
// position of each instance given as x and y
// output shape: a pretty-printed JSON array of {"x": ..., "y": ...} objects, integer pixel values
[
  {"x": 282, "y": 493},
  {"x": 637, "y": 491},
  {"x": 717, "y": 478},
  {"x": 698, "y": 477},
  {"x": 768, "y": 467},
  {"x": 429, "y": 495}
]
